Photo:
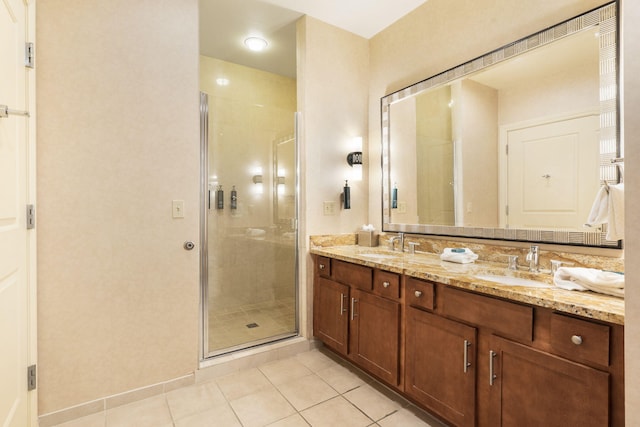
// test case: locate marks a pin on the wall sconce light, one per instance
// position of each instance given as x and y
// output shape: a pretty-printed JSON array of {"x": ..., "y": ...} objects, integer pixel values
[{"x": 354, "y": 159}]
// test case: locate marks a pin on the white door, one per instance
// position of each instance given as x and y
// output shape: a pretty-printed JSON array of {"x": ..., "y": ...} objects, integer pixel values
[
  {"x": 553, "y": 176},
  {"x": 16, "y": 177}
]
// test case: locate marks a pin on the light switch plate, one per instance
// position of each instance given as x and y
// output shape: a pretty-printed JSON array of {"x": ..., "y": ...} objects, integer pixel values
[
  {"x": 402, "y": 207},
  {"x": 329, "y": 207},
  {"x": 177, "y": 208}
]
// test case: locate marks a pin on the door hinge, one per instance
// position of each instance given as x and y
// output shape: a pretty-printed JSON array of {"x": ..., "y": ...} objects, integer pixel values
[
  {"x": 31, "y": 217},
  {"x": 506, "y": 149},
  {"x": 28, "y": 55},
  {"x": 31, "y": 378},
  {"x": 506, "y": 210}
]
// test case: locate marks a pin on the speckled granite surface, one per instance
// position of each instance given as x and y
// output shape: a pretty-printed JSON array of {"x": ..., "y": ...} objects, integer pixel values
[{"x": 429, "y": 266}]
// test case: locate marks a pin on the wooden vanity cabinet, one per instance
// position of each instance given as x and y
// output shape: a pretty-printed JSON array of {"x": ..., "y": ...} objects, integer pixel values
[
  {"x": 472, "y": 359},
  {"x": 440, "y": 367},
  {"x": 357, "y": 313}
]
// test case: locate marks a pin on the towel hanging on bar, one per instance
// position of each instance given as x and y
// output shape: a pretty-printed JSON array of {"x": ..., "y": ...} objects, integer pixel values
[{"x": 5, "y": 111}]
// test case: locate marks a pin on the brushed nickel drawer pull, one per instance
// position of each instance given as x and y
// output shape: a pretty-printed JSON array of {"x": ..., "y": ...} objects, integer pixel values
[
  {"x": 418, "y": 294},
  {"x": 467, "y": 344},
  {"x": 576, "y": 339},
  {"x": 386, "y": 284},
  {"x": 353, "y": 308},
  {"x": 321, "y": 266},
  {"x": 492, "y": 376},
  {"x": 342, "y": 309}
]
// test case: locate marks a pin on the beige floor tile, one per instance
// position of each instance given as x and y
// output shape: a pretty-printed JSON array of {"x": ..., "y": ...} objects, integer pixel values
[
  {"x": 315, "y": 360},
  {"x": 340, "y": 378},
  {"x": 373, "y": 403},
  {"x": 221, "y": 415},
  {"x": 151, "y": 412},
  {"x": 193, "y": 399},
  {"x": 307, "y": 391},
  {"x": 294, "y": 420},
  {"x": 404, "y": 418},
  {"x": 335, "y": 412},
  {"x": 242, "y": 383},
  {"x": 94, "y": 420},
  {"x": 262, "y": 408},
  {"x": 285, "y": 370}
]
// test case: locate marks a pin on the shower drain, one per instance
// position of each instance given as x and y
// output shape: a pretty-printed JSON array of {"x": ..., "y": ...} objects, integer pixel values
[{"x": 252, "y": 325}]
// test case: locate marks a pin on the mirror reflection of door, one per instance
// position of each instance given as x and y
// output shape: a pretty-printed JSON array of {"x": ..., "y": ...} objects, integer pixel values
[{"x": 552, "y": 173}]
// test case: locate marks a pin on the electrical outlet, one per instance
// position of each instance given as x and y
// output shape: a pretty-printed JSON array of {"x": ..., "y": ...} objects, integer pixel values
[
  {"x": 177, "y": 208},
  {"x": 402, "y": 207},
  {"x": 329, "y": 207}
]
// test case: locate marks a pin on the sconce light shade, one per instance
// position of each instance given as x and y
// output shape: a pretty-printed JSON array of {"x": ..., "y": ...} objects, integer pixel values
[
  {"x": 257, "y": 179},
  {"x": 354, "y": 158}
]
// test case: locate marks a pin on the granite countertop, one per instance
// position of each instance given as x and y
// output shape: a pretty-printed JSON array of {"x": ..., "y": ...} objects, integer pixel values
[{"x": 429, "y": 267}]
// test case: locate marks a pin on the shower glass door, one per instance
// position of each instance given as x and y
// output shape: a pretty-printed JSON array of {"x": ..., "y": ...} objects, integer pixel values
[{"x": 249, "y": 207}]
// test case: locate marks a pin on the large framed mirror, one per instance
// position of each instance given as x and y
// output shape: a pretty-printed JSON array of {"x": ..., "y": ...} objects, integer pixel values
[{"x": 513, "y": 145}]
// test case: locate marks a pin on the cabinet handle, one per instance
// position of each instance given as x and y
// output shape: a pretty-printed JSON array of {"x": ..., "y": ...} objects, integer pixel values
[
  {"x": 321, "y": 266},
  {"x": 386, "y": 284},
  {"x": 342, "y": 309},
  {"x": 418, "y": 294},
  {"x": 467, "y": 344},
  {"x": 353, "y": 308},
  {"x": 492, "y": 376},
  {"x": 576, "y": 339}
]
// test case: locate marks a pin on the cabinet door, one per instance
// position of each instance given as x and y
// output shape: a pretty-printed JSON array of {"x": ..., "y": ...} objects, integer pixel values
[
  {"x": 330, "y": 314},
  {"x": 440, "y": 366},
  {"x": 534, "y": 388},
  {"x": 375, "y": 334}
]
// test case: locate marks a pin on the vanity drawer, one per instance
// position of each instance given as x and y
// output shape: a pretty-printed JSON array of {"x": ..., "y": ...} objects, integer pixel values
[
  {"x": 386, "y": 284},
  {"x": 505, "y": 318},
  {"x": 419, "y": 293},
  {"x": 323, "y": 264},
  {"x": 579, "y": 340},
  {"x": 354, "y": 275}
]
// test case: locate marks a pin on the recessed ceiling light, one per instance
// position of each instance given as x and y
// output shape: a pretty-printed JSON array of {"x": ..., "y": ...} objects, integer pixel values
[{"x": 256, "y": 44}]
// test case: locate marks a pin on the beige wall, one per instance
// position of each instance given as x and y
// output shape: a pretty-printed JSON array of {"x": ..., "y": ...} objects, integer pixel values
[
  {"x": 118, "y": 136},
  {"x": 332, "y": 96},
  {"x": 631, "y": 136}
]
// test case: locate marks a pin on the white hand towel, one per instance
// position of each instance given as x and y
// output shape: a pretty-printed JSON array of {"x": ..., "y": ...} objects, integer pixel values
[
  {"x": 615, "y": 231},
  {"x": 589, "y": 279},
  {"x": 600, "y": 209},
  {"x": 608, "y": 208},
  {"x": 465, "y": 257}
]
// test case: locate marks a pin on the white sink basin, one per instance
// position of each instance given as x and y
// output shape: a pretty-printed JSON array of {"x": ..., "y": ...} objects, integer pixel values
[
  {"x": 513, "y": 281},
  {"x": 378, "y": 256}
]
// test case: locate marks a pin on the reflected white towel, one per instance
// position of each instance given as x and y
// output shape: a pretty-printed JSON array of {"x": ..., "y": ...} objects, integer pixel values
[
  {"x": 608, "y": 208},
  {"x": 589, "y": 279},
  {"x": 465, "y": 257}
]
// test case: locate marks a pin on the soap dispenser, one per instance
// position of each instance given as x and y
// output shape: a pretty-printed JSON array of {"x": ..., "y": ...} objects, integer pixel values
[{"x": 346, "y": 195}]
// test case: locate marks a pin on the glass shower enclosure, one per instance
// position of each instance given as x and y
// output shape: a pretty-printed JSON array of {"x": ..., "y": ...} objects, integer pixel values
[{"x": 249, "y": 208}]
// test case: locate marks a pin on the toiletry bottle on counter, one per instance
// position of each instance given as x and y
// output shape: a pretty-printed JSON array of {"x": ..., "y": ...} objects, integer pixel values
[{"x": 234, "y": 198}]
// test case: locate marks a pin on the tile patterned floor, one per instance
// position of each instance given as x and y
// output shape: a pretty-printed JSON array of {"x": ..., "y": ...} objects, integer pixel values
[{"x": 310, "y": 389}]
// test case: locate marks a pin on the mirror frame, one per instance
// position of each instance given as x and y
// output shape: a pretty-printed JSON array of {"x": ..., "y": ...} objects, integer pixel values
[{"x": 605, "y": 17}]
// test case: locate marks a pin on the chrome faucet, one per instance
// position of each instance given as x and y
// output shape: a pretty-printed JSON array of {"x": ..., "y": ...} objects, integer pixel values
[
  {"x": 533, "y": 258},
  {"x": 394, "y": 239}
]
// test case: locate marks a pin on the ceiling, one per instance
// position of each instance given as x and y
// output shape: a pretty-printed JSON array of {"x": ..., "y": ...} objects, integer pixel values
[{"x": 224, "y": 24}]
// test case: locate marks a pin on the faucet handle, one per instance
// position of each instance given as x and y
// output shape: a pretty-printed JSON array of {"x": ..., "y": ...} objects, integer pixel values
[
  {"x": 512, "y": 262},
  {"x": 555, "y": 265},
  {"x": 412, "y": 247}
]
